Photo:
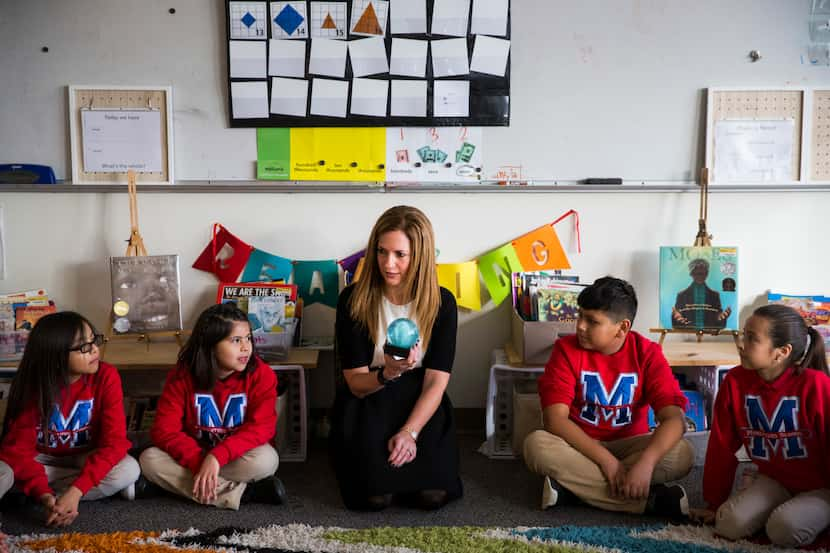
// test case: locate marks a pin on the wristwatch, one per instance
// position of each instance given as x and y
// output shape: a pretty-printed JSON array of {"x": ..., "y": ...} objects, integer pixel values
[
  {"x": 382, "y": 379},
  {"x": 412, "y": 433}
]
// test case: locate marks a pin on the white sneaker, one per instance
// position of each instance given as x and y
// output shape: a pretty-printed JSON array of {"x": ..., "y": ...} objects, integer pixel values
[
  {"x": 549, "y": 495},
  {"x": 128, "y": 493}
]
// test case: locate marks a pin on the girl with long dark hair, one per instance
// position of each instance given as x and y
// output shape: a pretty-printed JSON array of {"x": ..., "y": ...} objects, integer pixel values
[
  {"x": 65, "y": 437},
  {"x": 216, "y": 418}
]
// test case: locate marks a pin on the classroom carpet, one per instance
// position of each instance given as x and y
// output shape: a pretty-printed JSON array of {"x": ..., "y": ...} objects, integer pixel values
[
  {"x": 498, "y": 494},
  {"x": 302, "y": 538}
]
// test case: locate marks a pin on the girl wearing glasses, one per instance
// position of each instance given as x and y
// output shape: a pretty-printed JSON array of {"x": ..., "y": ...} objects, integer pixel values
[
  {"x": 65, "y": 438},
  {"x": 215, "y": 419}
]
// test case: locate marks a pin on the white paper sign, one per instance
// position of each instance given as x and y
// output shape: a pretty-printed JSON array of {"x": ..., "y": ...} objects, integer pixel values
[
  {"x": 754, "y": 151},
  {"x": 119, "y": 140},
  {"x": 441, "y": 154}
]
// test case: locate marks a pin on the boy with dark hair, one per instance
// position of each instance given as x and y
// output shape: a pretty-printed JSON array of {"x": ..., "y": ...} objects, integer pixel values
[{"x": 595, "y": 394}]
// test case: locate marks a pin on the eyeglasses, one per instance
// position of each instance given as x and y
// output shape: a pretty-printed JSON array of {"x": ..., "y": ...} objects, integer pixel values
[{"x": 86, "y": 347}]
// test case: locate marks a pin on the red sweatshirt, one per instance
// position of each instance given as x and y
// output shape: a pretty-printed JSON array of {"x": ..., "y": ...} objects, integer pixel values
[
  {"x": 237, "y": 416},
  {"x": 609, "y": 395},
  {"x": 89, "y": 417},
  {"x": 784, "y": 425}
]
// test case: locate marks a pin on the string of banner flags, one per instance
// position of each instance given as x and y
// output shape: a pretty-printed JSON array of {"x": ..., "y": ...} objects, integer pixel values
[{"x": 233, "y": 260}]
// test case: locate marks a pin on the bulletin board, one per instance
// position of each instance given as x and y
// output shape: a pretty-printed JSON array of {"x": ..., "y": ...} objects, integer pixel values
[
  {"x": 757, "y": 110},
  {"x": 368, "y": 63},
  {"x": 820, "y": 136},
  {"x": 111, "y": 128}
]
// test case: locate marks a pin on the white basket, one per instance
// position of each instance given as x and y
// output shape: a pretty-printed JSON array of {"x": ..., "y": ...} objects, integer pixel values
[
  {"x": 499, "y": 412},
  {"x": 292, "y": 430}
]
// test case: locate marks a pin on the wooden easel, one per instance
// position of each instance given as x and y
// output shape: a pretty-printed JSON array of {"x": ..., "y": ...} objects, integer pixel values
[
  {"x": 703, "y": 238},
  {"x": 135, "y": 248}
]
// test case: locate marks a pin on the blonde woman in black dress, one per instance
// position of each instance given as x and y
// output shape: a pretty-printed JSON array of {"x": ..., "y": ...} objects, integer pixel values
[{"x": 393, "y": 433}]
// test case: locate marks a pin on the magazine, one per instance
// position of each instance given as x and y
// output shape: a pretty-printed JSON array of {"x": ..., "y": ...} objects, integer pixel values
[
  {"x": 19, "y": 311},
  {"x": 146, "y": 294},
  {"x": 273, "y": 311},
  {"x": 533, "y": 307},
  {"x": 814, "y": 309},
  {"x": 558, "y": 303},
  {"x": 699, "y": 287}
]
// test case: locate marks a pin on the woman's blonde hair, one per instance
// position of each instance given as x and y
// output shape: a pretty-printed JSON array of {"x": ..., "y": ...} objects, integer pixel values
[{"x": 420, "y": 283}]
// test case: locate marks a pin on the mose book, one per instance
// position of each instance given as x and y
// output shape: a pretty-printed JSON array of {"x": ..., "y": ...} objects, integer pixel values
[
  {"x": 699, "y": 287},
  {"x": 146, "y": 294}
]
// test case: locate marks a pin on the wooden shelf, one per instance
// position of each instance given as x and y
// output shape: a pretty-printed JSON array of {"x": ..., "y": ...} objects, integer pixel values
[
  {"x": 678, "y": 354},
  {"x": 134, "y": 355}
]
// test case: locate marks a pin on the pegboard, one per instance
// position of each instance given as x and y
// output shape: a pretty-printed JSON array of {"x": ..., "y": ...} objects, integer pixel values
[
  {"x": 120, "y": 98},
  {"x": 748, "y": 104},
  {"x": 820, "y": 136}
]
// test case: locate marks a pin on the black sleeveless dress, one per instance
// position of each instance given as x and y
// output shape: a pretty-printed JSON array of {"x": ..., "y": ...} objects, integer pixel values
[{"x": 361, "y": 428}]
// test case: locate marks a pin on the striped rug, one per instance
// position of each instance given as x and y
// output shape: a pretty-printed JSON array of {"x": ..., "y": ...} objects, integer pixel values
[{"x": 316, "y": 539}]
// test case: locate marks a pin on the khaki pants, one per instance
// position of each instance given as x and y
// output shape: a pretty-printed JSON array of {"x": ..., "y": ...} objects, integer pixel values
[
  {"x": 61, "y": 472},
  {"x": 790, "y": 521},
  {"x": 550, "y": 455},
  {"x": 258, "y": 463},
  {"x": 6, "y": 478}
]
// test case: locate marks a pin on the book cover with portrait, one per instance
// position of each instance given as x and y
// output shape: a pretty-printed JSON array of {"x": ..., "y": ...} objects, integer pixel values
[
  {"x": 146, "y": 294},
  {"x": 699, "y": 287}
]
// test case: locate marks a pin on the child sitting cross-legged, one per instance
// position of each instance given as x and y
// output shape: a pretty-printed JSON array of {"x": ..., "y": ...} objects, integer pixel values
[
  {"x": 775, "y": 404},
  {"x": 595, "y": 393}
]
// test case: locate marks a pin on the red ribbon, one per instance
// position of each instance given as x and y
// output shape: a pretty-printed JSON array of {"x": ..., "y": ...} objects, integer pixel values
[{"x": 576, "y": 226}]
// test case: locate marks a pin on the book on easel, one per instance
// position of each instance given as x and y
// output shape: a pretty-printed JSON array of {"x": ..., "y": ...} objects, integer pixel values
[
  {"x": 146, "y": 289},
  {"x": 146, "y": 295},
  {"x": 699, "y": 283}
]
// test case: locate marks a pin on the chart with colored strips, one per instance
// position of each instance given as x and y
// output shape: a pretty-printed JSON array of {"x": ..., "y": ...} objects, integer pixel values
[{"x": 368, "y": 63}]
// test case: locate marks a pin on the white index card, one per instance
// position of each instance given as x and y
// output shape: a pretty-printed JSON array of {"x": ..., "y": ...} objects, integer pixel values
[
  {"x": 409, "y": 99},
  {"x": 451, "y": 99},
  {"x": 328, "y": 57},
  {"x": 369, "y": 97},
  {"x": 328, "y": 97},
  {"x": 490, "y": 55},
  {"x": 489, "y": 17},
  {"x": 249, "y": 100},
  {"x": 408, "y": 17},
  {"x": 368, "y": 56},
  {"x": 248, "y": 59},
  {"x": 450, "y": 17},
  {"x": 289, "y": 96},
  {"x": 449, "y": 57},
  {"x": 409, "y": 57},
  {"x": 286, "y": 58}
]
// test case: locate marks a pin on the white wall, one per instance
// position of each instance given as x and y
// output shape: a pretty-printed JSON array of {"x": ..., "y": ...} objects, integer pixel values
[
  {"x": 592, "y": 83},
  {"x": 599, "y": 87},
  {"x": 61, "y": 242}
]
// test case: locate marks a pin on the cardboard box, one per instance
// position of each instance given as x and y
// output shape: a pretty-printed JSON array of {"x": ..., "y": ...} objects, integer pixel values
[
  {"x": 533, "y": 340},
  {"x": 527, "y": 413}
]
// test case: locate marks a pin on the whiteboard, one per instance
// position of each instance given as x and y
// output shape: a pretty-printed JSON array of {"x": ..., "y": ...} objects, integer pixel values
[
  {"x": 600, "y": 88},
  {"x": 120, "y": 140}
]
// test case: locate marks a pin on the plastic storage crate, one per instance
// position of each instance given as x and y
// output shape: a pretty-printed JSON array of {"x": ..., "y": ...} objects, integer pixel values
[
  {"x": 293, "y": 429},
  {"x": 499, "y": 412}
]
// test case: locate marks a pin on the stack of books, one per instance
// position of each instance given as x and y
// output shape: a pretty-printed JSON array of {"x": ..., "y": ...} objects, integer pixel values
[
  {"x": 546, "y": 296},
  {"x": 273, "y": 311},
  {"x": 19, "y": 312}
]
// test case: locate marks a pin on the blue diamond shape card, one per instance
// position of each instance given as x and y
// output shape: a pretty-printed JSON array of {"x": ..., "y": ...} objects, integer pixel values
[
  {"x": 248, "y": 20},
  {"x": 328, "y": 20},
  {"x": 289, "y": 20}
]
